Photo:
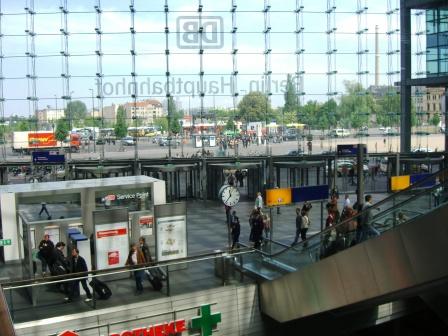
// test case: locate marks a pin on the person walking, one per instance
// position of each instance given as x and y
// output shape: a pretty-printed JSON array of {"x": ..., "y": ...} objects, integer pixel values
[
  {"x": 258, "y": 230},
  {"x": 145, "y": 249},
  {"x": 59, "y": 265},
  {"x": 78, "y": 265},
  {"x": 367, "y": 228},
  {"x": 304, "y": 227},
  {"x": 45, "y": 253},
  {"x": 135, "y": 258},
  {"x": 235, "y": 228},
  {"x": 298, "y": 226},
  {"x": 44, "y": 209}
]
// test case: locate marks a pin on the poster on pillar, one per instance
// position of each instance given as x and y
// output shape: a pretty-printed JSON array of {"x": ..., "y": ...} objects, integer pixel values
[
  {"x": 171, "y": 238},
  {"x": 112, "y": 244}
]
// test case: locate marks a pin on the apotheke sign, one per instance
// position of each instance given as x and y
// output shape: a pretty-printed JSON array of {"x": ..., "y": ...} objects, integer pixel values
[{"x": 205, "y": 322}]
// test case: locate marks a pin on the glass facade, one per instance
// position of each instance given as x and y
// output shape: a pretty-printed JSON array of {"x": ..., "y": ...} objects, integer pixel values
[{"x": 437, "y": 41}]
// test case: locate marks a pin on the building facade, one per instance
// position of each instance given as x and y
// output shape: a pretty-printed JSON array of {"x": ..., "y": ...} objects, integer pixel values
[
  {"x": 437, "y": 41},
  {"x": 49, "y": 115},
  {"x": 110, "y": 113},
  {"x": 146, "y": 111}
]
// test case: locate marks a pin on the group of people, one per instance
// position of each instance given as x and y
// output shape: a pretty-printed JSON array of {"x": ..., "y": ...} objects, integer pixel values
[
  {"x": 302, "y": 223},
  {"x": 53, "y": 259},
  {"x": 349, "y": 227}
]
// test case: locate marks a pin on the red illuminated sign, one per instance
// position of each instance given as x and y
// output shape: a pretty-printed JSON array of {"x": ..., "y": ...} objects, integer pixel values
[
  {"x": 111, "y": 233},
  {"x": 165, "y": 329},
  {"x": 42, "y": 140},
  {"x": 113, "y": 258}
]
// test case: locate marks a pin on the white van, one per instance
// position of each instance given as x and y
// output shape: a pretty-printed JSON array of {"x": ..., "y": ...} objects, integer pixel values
[{"x": 339, "y": 133}]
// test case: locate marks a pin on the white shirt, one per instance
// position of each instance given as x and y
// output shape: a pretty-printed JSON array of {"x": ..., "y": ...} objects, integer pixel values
[
  {"x": 259, "y": 202},
  {"x": 134, "y": 257},
  {"x": 347, "y": 202}
]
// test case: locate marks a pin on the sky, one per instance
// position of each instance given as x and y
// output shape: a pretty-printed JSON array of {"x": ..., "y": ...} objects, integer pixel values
[{"x": 184, "y": 64}]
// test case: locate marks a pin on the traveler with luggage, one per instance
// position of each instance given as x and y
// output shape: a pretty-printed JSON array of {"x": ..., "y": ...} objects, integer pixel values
[
  {"x": 136, "y": 258},
  {"x": 78, "y": 265}
]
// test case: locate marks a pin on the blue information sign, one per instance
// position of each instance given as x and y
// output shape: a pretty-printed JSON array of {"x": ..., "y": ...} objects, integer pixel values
[
  {"x": 310, "y": 193},
  {"x": 349, "y": 150},
  {"x": 48, "y": 157}
]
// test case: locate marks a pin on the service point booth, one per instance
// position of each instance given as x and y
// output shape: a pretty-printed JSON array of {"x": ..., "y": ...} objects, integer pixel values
[{"x": 101, "y": 217}]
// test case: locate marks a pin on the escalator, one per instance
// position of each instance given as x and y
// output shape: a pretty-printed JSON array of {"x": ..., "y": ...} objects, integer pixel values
[{"x": 331, "y": 270}]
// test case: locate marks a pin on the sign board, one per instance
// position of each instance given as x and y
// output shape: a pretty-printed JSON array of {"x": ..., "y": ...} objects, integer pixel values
[
  {"x": 111, "y": 238},
  {"x": 310, "y": 193},
  {"x": 41, "y": 139},
  {"x": 171, "y": 238},
  {"x": 279, "y": 196},
  {"x": 5, "y": 242},
  {"x": 349, "y": 150},
  {"x": 146, "y": 224},
  {"x": 398, "y": 183},
  {"x": 48, "y": 157}
]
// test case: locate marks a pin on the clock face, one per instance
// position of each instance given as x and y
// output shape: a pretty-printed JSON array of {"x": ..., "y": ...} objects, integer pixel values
[{"x": 230, "y": 195}]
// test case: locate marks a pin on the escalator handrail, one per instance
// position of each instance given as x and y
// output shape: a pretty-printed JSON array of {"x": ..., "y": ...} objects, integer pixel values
[{"x": 416, "y": 186}]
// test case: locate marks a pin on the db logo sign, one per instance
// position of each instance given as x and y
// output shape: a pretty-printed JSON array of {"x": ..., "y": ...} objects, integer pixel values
[{"x": 204, "y": 32}]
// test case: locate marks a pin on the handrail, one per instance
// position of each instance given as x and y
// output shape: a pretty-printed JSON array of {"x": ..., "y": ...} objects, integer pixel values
[
  {"x": 362, "y": 213},
  {"x": 117, "y": 270},
  {"x": 6, "y": 324}
]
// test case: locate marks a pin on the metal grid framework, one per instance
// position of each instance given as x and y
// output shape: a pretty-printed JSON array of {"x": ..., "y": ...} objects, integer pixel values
[{"x": 66, "y": 55}]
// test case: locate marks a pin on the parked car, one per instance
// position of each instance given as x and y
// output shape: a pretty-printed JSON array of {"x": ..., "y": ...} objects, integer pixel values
[
  {"x": 290, "y": 135},
  {"x": 295, "y": 152},
  {"x": 389, "y": 131},
  {"x": 362, "y": 133},
  {"x": 422, "y": 150},
  {"x": 128, "y": 141},
  {"x": 338, "y": 133},
  {"x": 100, "y": 141}
]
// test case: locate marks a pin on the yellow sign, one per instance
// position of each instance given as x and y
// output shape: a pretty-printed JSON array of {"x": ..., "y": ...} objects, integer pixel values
[
  {"x": 398, "y": 183},
  {"x": 281, "y": 196}
]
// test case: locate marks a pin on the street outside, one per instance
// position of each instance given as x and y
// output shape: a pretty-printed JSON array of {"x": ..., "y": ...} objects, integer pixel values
[{"x": 376, "y": 143}]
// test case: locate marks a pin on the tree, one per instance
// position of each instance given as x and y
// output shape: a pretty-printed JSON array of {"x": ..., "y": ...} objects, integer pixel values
[
  {"x": 255, "y": 106},
  {"x": 174, "y": 116},
  {"x": 230, "y": 125},
  {"x": 93, "y": 122},
  {"x": 291, "y": 101},
  {"x": 435, "y": 120},
  {"x": 162, "y": 124},
  {"x": 355, "y": 106},
  {"x": 75, "y": 112},
  {"x": 62, "y": 130},
  {"x": 120, "y": 126}
]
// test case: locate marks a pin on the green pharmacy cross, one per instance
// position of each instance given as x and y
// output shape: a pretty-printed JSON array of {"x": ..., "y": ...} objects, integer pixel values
[{"x": 206, "y": 322}]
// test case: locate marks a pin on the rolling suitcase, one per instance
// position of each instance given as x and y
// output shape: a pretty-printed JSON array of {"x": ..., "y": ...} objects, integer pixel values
[
  {"x": 154, "y": 279},
  {"x": 101, "y": 289}
]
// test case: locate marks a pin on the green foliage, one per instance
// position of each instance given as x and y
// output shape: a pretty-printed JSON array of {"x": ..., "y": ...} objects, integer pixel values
[
  {"x": 435, "y": 120},
  {"x": 120, "y": 126},
  {"x": 291, "y": 101},
  {"x": 355, "y": 106},
  {"x": 93, "y": 122},
  {"x": 255, "y": 106},
  {"x": 230, "y": 125},
  {"x": 289, "y": 117},
  {"x": 62, "y": 130},
  {"x": 76, "y": 112},
  {"x": 162, "y": 124},
  {"x": 23, "y": 125},
  {"x": 174, "y": 115}
]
